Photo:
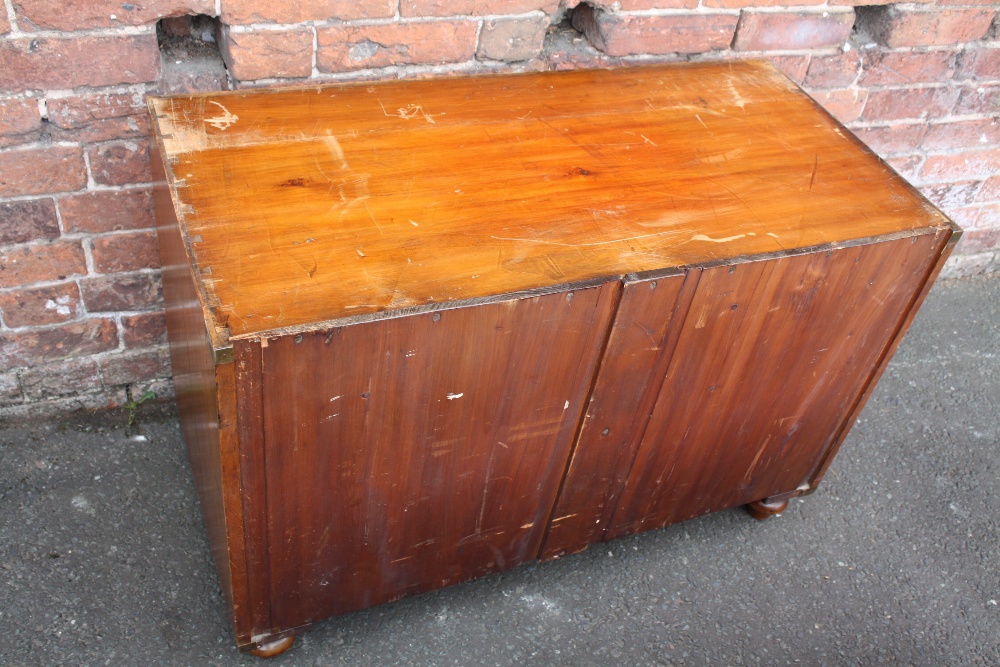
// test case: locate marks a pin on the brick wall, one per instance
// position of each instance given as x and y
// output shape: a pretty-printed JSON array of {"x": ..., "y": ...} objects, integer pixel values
[{"x": 80, "y": 304}]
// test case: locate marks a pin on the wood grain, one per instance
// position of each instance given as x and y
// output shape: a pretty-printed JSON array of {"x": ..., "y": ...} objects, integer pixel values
[
  {"x": 409, "y": 454},
  {"x": 331, "y": 203}
]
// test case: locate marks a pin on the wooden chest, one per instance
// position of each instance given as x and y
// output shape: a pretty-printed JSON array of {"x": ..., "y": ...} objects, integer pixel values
[{"x": 423, "y": 331}]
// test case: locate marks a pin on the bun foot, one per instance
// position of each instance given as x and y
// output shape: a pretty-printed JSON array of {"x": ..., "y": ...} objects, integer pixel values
[
  {"x": 271, "y": 649},
  {"x": 763, "y": 509}
]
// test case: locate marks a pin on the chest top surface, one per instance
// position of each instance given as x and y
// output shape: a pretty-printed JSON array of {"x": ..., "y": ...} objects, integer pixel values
[{"x": 345, "y": 202}]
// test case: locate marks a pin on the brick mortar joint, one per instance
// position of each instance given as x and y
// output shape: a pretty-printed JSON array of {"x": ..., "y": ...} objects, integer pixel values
[
  {"x": 245, "y": 28},
  {"x": 69, "y": 35}
]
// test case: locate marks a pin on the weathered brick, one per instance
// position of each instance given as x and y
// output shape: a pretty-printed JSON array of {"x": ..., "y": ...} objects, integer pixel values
[
  {"x": 116, "y": 253},
  {"x": 97, "y": 212},
  {"x": 839, "y": 71},
  {"x": 20, "y": 122},
  {"x": 144, "y": 330},
  {"x": 138, "y": 366},
  {"x": 976, "y": 217},
  {"x": 894, "y": 27},
  {"x": 4, "y": 22},
  {"x": 235, "y": 12},
  {"x": 623, "y": 35},
  {"x": 742, "y": 4},
  {"x": 867, "y": 3},
  {"x": 474, "y": 7},
  {"x": 41, "y": 305},
  {"x": 951, "y": 195},
  {"x": 882, "y": 68},
  {"x": 982, "y": 63},
  {"x": 906, "y": 166},
  {"x": 961, "y": 166},
  {"x": 915, "y": 103},
  {"x": 98, "y": 117},
  {"x": 268, "y": 54},
  {"x": 29, "y": 64},
  {"x": 109, "y": 294},
  {"x": 759, "y": 31},
  {"x": 86, "y": 14},
  {"x": 978, "y": 240},
  {"x": 361, "y": 47},
  {"x": 964, "y": 134},
  {"x": 120, "y": 162},
  {"x": 62, "y": 378},
  {"x": 29, "y": 220},
  {"x": 642, "y": 5},
  {"x": 893, "y": 139},
  {"x": 794, "y": 67},
  {"x": 990, "y": 190},
  {"x": 23, "y": 265},
  {"x": 512, "y": 39},
  {"x": 844, "y": 105},
  {"x": 77, "y": 339},
  {"x": 38, "y": 171},
  {"x": 979, "y": 99},
  {"x": 10, "y": 388}
]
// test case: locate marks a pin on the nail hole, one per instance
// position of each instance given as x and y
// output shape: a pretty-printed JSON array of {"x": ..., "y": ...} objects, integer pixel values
[
  {"x": 652, "y": 285},
  {"x": 298, "y": 339},
  {"x": 365, "y": 395},
  {"x": 569, "y": 296},
  {"x": 436, "y": 317},
  {"x": 606, "y": 431}
]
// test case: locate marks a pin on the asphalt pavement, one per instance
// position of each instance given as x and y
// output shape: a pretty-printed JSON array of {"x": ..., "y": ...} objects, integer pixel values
[{"x": 894, "y": 560}]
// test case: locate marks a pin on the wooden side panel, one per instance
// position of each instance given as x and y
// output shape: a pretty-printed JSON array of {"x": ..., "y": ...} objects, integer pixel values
[
  {"x": 203, "y": 392},
  {"x": 773, "y": 356},
  {"x": 409, "y": 454},
  {"x": 626, "y": 389}
]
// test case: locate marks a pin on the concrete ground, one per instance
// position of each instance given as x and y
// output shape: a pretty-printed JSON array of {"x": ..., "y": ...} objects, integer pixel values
[{"x": 895, "y": 560}]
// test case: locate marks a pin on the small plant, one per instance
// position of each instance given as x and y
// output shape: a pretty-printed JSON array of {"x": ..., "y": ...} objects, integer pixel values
[{"x": 134, "y": 403}]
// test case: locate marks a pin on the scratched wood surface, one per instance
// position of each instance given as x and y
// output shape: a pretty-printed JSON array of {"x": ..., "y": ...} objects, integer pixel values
[
  {"x": 408, "y": 454},
  {"x": 350, "y": 201},
  {"x": 771, "y": 358}
]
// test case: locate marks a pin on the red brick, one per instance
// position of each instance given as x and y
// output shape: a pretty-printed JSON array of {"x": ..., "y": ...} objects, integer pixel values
[
  {"x": 792, "y": 30},
  {"x": 976, "y": 217},
  {"x": 4, "y": 22},
  {"x": 41, "y": 305},
  {"x": 951, "y": 195},
  {"x": 990, "y": 190},
  {"x": 906, "y": 166},
  {"x": 844, "y": 105},
  {"x": 144, "y": 330},
  {"x": 120, "y": 162},
  {"x": 978, "y": 240},
  {"x": 839, "y": 71},
  {"x": 642, "y": 5},
  {"x": 915, "y": 103},
  {"x": 48, "y": 63},
  {"x": 10, "y": 389},
  {"x": 867, "y": 3},
  {"x": 235, "y": 12},
  {"x": 362, "y": 47},
  {"x": 268, "y": 54},
  {"x": 743, "y": 4},
  {"x": 894, "y": 27},
  {"x": 85, "y": 14},
  {"x": 98, "y": 117},
  {"x": 794, "y": 67},
  {"x": 20, "y": 122},
  {"x": 894, "y": 68},
  {"x": 77, "y": 339},
  {"x": 962, "y": 166},
  {"x": 126, "y": 252},
  {"x": 109, "y": 294},
  {"x": 51, "y": 261},
  {"x": 474, "y": 7},
  {"x": 618, "y": 35},
  {"x": 97, "y": 212},
  {"x": 29, "y": 220},
  {"x": 964, "y": 134},
  {"x": 63, "y": 378},
  {"x": 132, "y": 367},
  {"x": 894, "y": 139},
  {"x": 513, "y": 39},
  {"x": 979, "y": 100},
  {"x": 41, "y": 171},
  {"x": 983, "y": 63}
]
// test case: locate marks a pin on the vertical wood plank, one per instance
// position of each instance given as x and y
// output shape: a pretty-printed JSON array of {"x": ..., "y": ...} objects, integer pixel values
[{"x": 409, "y": 454}]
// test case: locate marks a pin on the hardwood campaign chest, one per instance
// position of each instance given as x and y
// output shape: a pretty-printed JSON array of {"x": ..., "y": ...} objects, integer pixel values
[{"x": 422, "y": 331}]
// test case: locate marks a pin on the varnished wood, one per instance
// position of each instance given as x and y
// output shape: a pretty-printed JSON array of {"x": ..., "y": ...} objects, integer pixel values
[
  {"x": 426, "y": 330},
  {"x": 765, "y": 509},
  {"x": 358, "y": 199},
  {"x": 274, "y": 648}
]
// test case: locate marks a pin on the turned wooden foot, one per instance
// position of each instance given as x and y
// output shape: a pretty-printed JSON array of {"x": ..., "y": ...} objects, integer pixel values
[
  {"x": 271, "y": 649},
  {"x": 762, "y": 509}
]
